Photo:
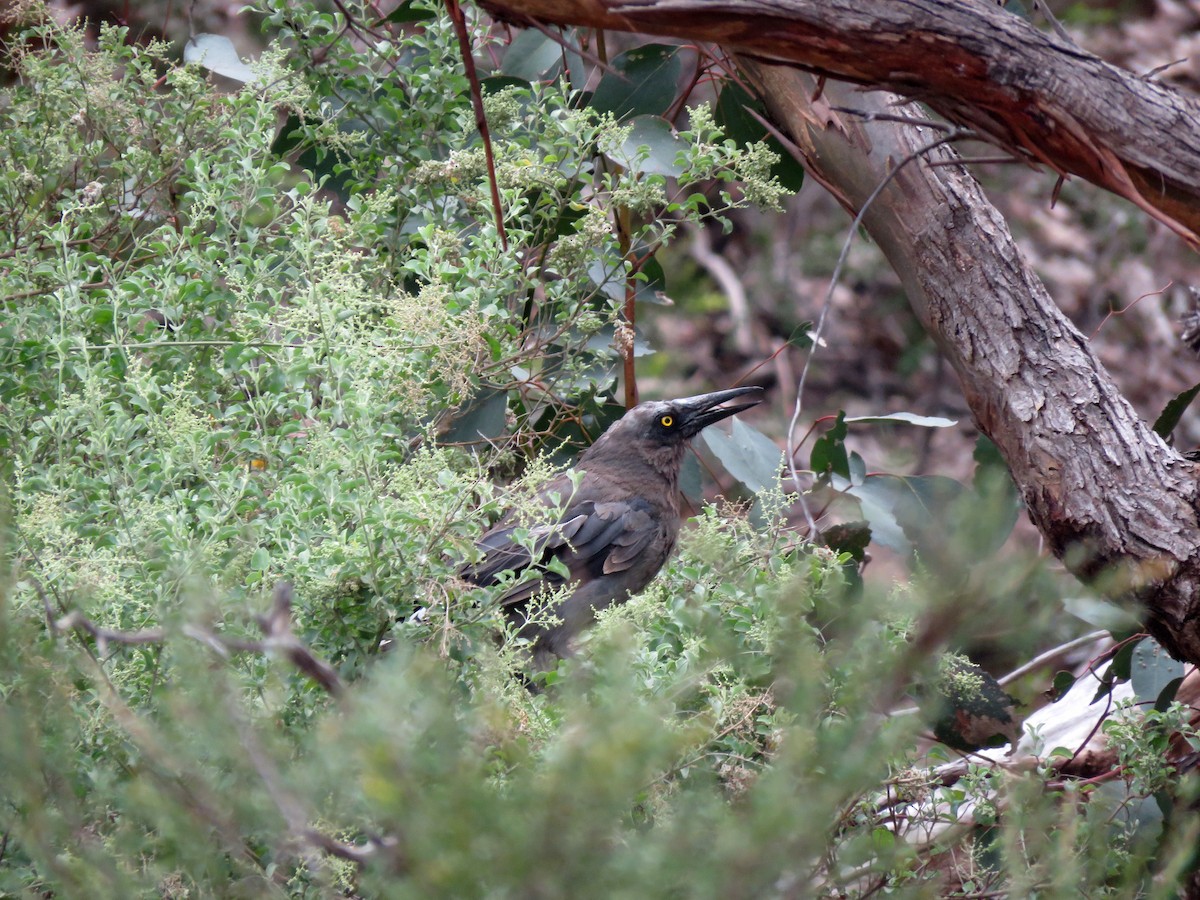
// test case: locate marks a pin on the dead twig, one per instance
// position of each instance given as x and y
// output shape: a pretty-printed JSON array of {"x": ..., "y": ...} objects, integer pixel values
[
  {"x": 292, "y": 810},
  {"x": 952, "y": 135},
  {"x": 1051, "y": 655},
  {"x": 277, "y": 637}
]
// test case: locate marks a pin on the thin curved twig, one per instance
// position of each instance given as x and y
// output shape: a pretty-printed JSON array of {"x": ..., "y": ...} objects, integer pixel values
[{"x": 954, "y": 134}]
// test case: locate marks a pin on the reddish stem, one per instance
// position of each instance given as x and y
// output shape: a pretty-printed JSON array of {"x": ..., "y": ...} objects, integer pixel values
[
  {"x": 631, "y": 391},
  {"x": 464, "y": 43}
]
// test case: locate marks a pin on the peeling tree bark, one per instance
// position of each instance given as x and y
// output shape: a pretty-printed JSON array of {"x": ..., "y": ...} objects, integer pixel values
[
  {"x": 1031, "y": 93},
  {"x": 1118, "y": 505},
  {"x": 1111, "y": 498}
]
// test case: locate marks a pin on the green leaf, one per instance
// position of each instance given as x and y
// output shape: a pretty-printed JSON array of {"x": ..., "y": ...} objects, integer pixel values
[
  {"x": 409, "y": 12},
  {"x": 1147, "y": 813},
  {"x": 848, "y": 537},
  {"x": 260, "y": 561},
  {"x": 1167, "y": 695},
  {"x": 577, "y": 68},
  {"x": 919, "y": 506},
  {"x": 732, "y": 113},
  {"x": 532, "y": 56},
  {"x": 1063, "y": 682},
  {"x": 609, "y": 279},
  {"x": 494, "y": 84},
  {"x": 858, "y": 468},
  {"x": 1019, "y": 8},
  {"x": 749, "y": 455},
  {"x": 1101, "y": 613},
  {"x": 324, "y": 166},
  {"x": 876, "y": 508},
  {"x": 1152, "y": 669},
  {"x": 1118, "y": 671},
  {"x": 1165, "y": 424},
  {"x": 689, "y": 480},
  {"x": 996, "y": 505},
  {"x": 801, "y": 336},
  {"x": 641, "y": 81},
  {"x": 829, "y": 450},
  {"x": 603, "y": 340},
  {"x": 216, "y": 53},
  {"x": 652, "y": 288},
  {"x": 910, "y": 418},
  {"x": 484, "y": 418},
  {"x": 656, "y": 134}
]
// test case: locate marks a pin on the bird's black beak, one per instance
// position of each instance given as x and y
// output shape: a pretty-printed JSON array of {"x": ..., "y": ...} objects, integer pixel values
[{"x": 698, "y": 412}]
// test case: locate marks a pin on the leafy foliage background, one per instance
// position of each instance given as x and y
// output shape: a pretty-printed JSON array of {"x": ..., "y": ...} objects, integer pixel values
[{"x": 273, "y": 332}]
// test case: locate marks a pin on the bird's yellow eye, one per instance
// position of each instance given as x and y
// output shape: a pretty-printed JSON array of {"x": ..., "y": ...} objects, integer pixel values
[{"x": 666, "y": 421}]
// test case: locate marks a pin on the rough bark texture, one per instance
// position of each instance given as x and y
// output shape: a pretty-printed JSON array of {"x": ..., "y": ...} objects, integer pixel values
[
  {"x": 1110, "y": 497},
  {"x": 1029, "y": 92}
]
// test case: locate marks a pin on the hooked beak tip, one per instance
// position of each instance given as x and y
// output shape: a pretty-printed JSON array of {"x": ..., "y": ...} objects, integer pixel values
[{"x": 708, "y": 409}]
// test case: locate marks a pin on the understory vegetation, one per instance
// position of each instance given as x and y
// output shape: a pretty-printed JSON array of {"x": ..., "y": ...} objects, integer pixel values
[{"x": 270, "y": 362}]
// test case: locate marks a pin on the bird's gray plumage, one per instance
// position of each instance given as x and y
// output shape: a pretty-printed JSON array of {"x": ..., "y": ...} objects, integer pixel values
[{"x": 612, "y": 527}]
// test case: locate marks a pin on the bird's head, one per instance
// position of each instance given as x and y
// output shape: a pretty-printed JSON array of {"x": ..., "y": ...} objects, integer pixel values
[
  {"x": 677, "y": 421},
  {"x": 657, "y": 431}
]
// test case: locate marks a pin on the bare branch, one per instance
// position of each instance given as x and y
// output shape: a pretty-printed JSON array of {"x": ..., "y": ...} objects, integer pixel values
[
  {"x": 103, "y": 636},
  {"x": 276, "y": 626},
  {"x": 1036, "y": 95},
  {"x": 294, "y": 815},
  {"x": 1051, "y": 655},
  {"x": 356, "y": 853}
]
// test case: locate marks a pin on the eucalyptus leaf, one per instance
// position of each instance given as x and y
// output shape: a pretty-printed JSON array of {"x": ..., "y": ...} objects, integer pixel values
[
  {"x": 877, "y": 509},
  {"x": 610, "y": 280},
  {"x": 484, "y": 418},
  {"x": 749, "y": 455},
  {"x": 733, "y": 114},
  {"x": 910, "y": 418},
  {"x": 216, "y": 53},
  {"x": 1100, "y": 613},
  {"x": 920, "y": 501},
  {"x": 1165, "y": 424},
  {"x": 658, "y": 137},
  {"x": 829, "y": 455},
  {"x": 641, "y": 81},
  {"x": 532, "y": 55},
  {"x": 652, "y": 286},
  {"x": 409, "y": 12},
  {"x": 1152, "y": 669}
]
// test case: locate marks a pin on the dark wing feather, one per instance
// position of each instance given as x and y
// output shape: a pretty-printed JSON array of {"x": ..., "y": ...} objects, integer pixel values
[
  {"x": 502, "y": 552},
  {"x": 590, "y": 538},
  {"x": 636, "y": 534}
]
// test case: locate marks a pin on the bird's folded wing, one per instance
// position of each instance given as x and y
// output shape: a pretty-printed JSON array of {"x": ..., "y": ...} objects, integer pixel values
[
  {"x": 632, "y": 530},
  {"x": 591, "y": 538}
]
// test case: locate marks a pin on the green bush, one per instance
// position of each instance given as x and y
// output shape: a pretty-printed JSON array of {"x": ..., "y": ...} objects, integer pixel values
[{"x": 275, "y": 334}]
